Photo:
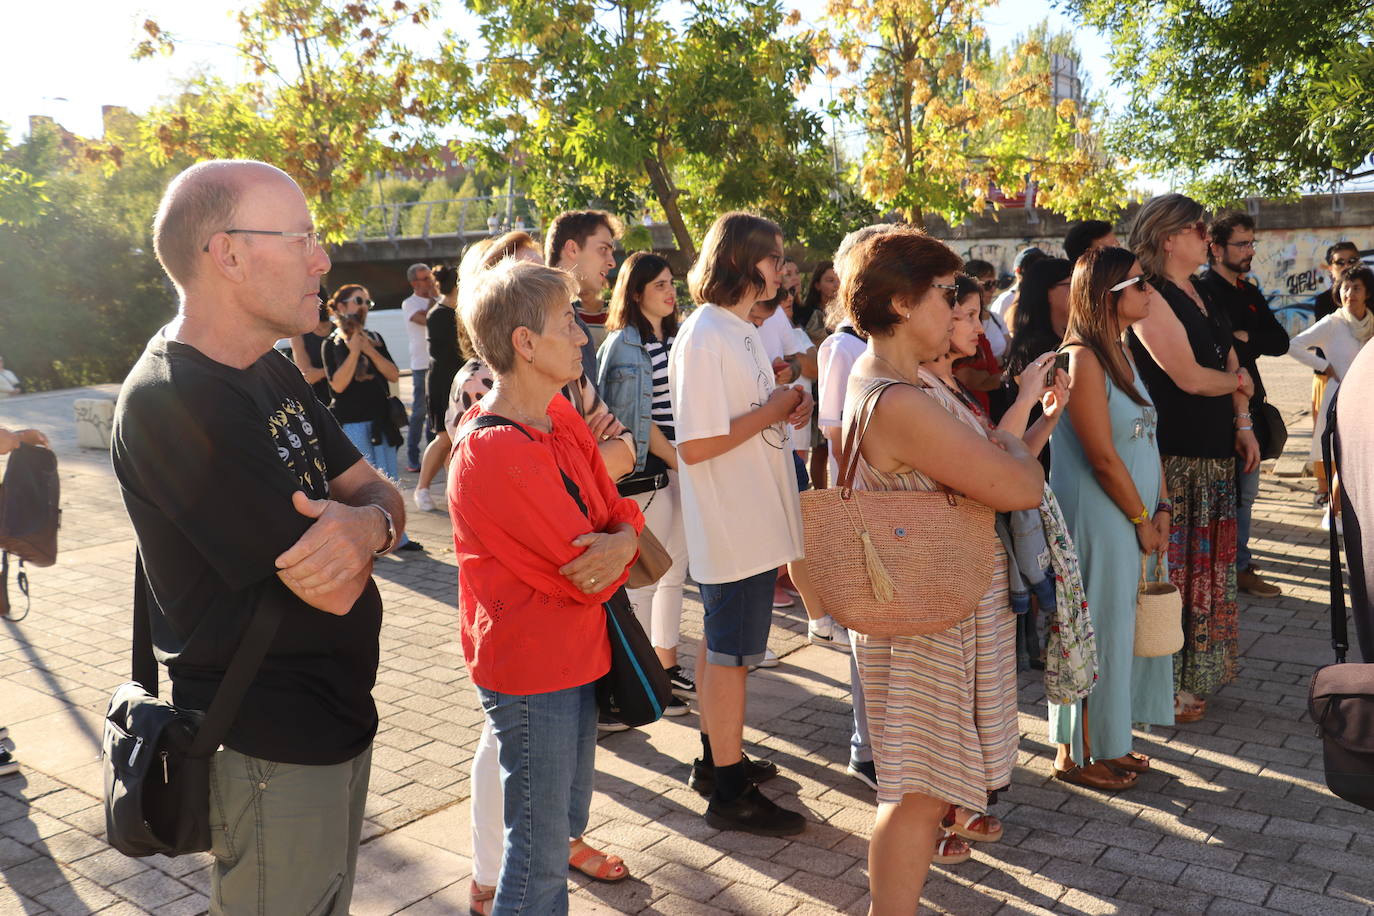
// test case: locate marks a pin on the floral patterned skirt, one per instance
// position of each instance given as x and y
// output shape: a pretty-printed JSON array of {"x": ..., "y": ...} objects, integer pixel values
[{"x": 1202, "y": 564}]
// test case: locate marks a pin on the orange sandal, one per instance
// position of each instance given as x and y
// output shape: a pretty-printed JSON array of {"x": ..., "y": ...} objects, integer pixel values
[
  {"x": 980, "y": 828},
  {"x": 951, "y": 850},
  {"x": 610, "y": 870},
  {"x": 479, "y": 899}
]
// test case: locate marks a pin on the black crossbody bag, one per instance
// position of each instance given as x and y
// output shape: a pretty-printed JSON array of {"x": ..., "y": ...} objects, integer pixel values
[
  {"x": 156, "y": 756},
  {"x": 1341, "y": 700},
  {"x": 636, "y": 689}
]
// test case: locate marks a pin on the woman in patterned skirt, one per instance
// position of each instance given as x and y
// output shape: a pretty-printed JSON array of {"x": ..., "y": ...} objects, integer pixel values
[
  {"x": 1183, "y": 349},
  {"x": 941, "y": 707}
]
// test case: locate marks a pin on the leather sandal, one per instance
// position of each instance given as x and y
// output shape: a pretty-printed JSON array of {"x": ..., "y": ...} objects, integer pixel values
[
  {"x": 1185, "y": 713},
  {"x": 980, "y": 828},
  {"x": 479, "y": 899},
  {"x": 1078, "y": 776},
  {"x": 951, "y": 850},
  {"x": 1131, "y": 762},
  {"x": 610, "y": 870}
]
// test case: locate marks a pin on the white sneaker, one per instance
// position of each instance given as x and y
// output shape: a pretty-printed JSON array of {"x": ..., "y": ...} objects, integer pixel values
[
  {"x": 826, "y": 632},
  {"x": 770, "y": 660},
  {"x": 423, "y": 501}
]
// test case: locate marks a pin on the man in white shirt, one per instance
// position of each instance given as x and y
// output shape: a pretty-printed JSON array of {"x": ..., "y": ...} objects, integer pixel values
[
  {"x": 415, "y": 307},
  {"x": 1024, "y": 259}
]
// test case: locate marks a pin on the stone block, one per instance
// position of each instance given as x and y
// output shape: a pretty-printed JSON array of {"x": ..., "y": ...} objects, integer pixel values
[{"x": 94, "y": 419}]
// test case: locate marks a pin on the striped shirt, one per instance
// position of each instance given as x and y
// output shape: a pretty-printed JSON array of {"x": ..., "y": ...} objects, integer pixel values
[{"x": 661, "y": 412}]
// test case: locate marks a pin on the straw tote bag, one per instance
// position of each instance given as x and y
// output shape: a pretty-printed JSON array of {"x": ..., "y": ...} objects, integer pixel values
[
  {"x": 1158, "y": 615},
  {"x": 895, "y": 562}
]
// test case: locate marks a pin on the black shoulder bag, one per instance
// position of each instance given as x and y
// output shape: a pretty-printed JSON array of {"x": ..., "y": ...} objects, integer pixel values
[
  {"x": 30, "y": 514},
  {"x": 636, "y": 689},
  {"x": 156, "y": 756},
  {"x": 1341, "y": 700}
]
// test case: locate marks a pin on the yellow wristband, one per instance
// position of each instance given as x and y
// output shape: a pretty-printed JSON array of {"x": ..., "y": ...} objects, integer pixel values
[{"x": 1142, "y": 518}]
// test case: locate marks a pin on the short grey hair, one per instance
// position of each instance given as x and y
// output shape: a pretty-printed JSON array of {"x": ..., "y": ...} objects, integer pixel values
[
  {"x": 198, "y": 203},
  {"x": 1158, "y": 218},
  {"x": 513, "y": 294},
  {"x": 854, "y": 238},
  {"x": 414, "y": 269}
]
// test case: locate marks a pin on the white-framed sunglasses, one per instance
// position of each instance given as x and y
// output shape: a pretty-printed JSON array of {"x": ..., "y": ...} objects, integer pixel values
[{"x": 1138, "y": 278}]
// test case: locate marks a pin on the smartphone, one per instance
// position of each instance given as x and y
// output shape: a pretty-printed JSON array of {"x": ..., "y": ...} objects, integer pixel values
[{"x": 1061, "y": 361}]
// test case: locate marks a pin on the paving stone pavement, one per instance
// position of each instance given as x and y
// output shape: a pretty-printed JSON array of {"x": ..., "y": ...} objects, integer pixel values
[{"x": 1235, "y": 819}]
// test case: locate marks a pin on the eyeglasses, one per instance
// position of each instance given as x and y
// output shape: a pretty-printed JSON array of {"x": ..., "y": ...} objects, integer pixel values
[
  {"x": 988, "y": 285},
  {"x": 1138, "y": 278},
  {"x": 358, "y": 300},
  {"x": 951, "y": 293},
  {"x": 1344, "y": 262},
  {"x": 1244, "y": 246},
  {"x": 312, "y": 238}
]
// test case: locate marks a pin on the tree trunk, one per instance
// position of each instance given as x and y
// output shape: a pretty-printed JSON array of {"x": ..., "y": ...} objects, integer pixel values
[
  {"x": 667, "y": 199},
  {"x": 914, "y": 216}
]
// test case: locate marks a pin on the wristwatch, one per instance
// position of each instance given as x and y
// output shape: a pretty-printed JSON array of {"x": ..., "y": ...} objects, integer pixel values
[{"x": 390, "y": 532}]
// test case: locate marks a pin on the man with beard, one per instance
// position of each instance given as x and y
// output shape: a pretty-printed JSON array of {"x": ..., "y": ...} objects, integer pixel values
[{"x": 1257, "y": 331}]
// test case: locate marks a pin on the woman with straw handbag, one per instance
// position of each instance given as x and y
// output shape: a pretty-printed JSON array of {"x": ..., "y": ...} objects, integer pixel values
[{"x": 941, "y": 703}]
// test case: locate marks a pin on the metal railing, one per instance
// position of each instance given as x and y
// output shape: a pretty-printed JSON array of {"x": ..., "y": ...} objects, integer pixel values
[{"x": 458, "y": 216}]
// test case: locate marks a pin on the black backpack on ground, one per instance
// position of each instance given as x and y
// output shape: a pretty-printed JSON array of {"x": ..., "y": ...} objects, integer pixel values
[
  {"x": 29, "y": 517},
  {"x": 1341, "y": 700}
]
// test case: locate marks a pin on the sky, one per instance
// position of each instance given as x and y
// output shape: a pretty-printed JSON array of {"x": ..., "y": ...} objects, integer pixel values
[{"x": 72, "y": 56}]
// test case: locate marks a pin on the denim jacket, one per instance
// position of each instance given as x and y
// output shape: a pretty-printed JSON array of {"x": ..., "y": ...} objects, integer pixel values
[{"x": 625, "y": 381}]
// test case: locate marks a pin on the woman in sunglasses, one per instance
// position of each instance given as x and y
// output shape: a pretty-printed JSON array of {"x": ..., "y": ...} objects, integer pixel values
[
  {"x": 359, "y": 368},
  {"x": 1184, "y": 351},
  {"x": 1106, "y": 472}
]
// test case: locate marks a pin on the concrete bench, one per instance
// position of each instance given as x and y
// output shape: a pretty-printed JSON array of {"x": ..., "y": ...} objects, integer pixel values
[{"x": 94, "y": 418}]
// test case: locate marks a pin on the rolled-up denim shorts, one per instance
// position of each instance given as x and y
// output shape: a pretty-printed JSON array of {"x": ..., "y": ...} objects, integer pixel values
[{"x": 738, "y": 615}]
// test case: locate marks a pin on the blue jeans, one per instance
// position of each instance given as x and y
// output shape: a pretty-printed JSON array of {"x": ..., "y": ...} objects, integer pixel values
[
  {"x": 1248, "y": 487},
  {"x": 860, "y": 748},
  {"x": 382, "y": 457},
  {"x": 738, "y": 615},
  {"x": 547, "y": 746},
  {"x": 419, "y": 416}
]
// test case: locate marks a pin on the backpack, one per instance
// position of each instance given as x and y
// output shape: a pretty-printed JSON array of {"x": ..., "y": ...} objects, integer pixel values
[{"x": 29, "y": 516}]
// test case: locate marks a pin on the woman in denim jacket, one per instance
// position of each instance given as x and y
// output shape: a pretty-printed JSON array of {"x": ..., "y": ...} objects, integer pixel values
[{"x": 633, "y": 380}]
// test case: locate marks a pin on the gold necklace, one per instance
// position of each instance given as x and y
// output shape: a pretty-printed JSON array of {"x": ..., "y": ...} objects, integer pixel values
[{"x": 900, "y": 374}]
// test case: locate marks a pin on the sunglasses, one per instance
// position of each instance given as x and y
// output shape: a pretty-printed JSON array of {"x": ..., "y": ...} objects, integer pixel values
[
  {"x": 988, "y": 285},
  {"x": 1200, "y": 227},
  {"x": 358, "y": 300},
  {"x": 1138, "y": 278},
  {"x": 951, "y": 293},
  {"x": 1344, "y": 262}
]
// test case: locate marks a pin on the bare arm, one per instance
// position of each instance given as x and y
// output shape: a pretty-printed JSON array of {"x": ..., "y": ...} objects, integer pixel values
[
  {"x": 660, "y": 446},
  {"x": 779, "y": 406},
  {"x": 1167, "y": 342},
  {"x": 343, "y": 376},
  {"x": 383, "y": 365},
  {"x": 418, "y": 317},
  {"x": 302, "y": 360},
  {"x": 330, "y": 565},
  {"x": 1092, "y": 424},
  {"x": 909, "y": 429}
]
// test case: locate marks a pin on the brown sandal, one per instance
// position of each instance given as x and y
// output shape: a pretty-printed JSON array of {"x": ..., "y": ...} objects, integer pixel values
[
  {"x": 1131, "y": 762},
  {"x": 1078, "y": 776},
  {"x": 951, "y": 850},
  {"x": 479, "y": 899}
]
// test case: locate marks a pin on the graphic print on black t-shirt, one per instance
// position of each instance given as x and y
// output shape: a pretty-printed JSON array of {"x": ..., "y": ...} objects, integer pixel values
[{"x": 298, "y": 447}]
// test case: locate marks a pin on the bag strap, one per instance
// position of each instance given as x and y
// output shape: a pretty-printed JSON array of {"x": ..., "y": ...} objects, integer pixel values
[
  {"x": 243, "y": 667},
  {"x": 852, "y": 437},
  {"x": 1331, "y": 444},
  {"x": 491, "y": 421}
]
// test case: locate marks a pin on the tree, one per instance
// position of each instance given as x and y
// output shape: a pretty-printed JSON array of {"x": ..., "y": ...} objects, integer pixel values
[
  {"x": 1243, "y": 97},
  {"x": 347, "y": 98},
  {"x": 605, "y": 100},
  {"x": 946, "y": 124},
  {"x": 83, "y": 292},
  {"x": 22, "y": 196}
]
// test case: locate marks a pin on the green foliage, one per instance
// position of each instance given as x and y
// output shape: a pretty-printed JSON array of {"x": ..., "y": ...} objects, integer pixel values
[
  {"x": 83, "y": 292},
  {"x": 349, "y": 100},
  {"x": 23, "y": 198},
  {"x": 1242, "y": 98},
  {"x": 947, "y": 122},
  {"x": 614, "y": 102}
]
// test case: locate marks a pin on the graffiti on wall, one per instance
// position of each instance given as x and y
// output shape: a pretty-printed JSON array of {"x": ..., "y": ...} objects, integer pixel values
[{"x": 1289, "y": 264}]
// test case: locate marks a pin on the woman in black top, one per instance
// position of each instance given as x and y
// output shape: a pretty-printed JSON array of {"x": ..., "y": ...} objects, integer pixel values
[
  {"x": 441, "y": 327},
  {"x": 360, "y": 368},
  {"x": 307, "y": 354},
  {"x": 1184, "y": 352}
]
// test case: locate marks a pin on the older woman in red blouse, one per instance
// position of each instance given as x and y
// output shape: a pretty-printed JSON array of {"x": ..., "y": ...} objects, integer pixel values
[{"x": 534, "y": 569}]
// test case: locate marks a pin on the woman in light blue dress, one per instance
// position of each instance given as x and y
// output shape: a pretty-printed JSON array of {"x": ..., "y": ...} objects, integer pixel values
[{"x": 1107, "y": 476}]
